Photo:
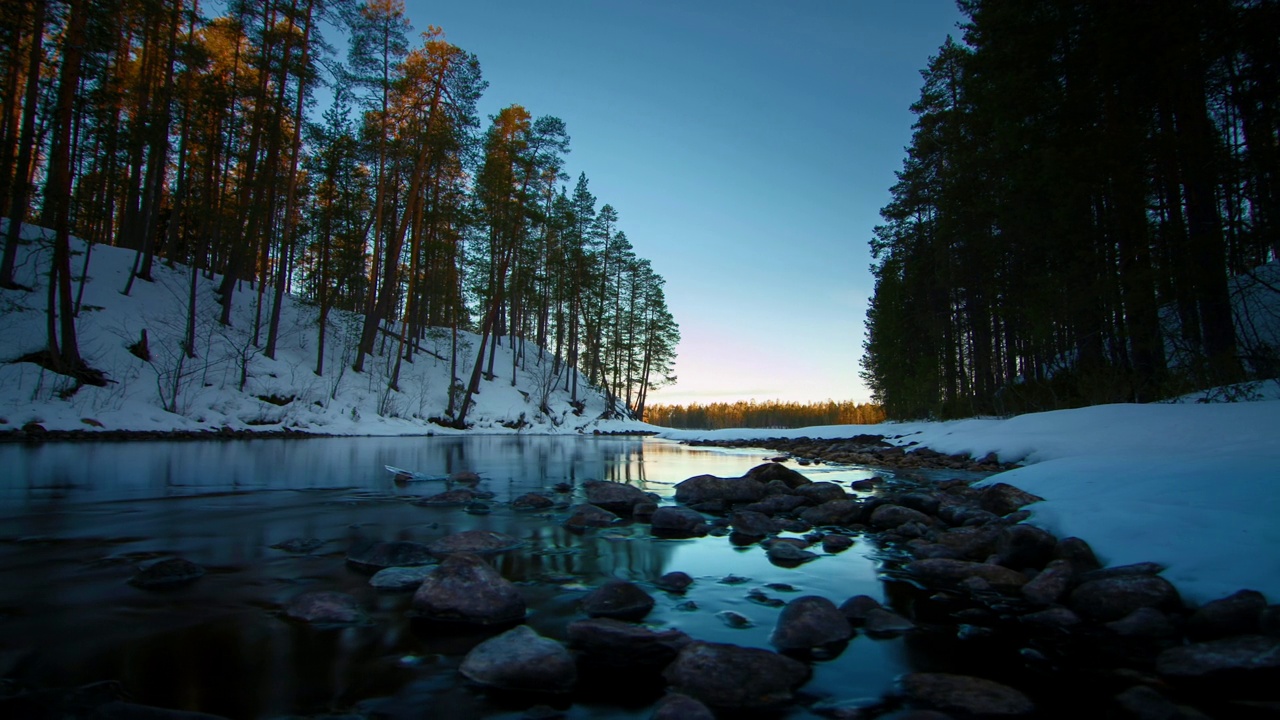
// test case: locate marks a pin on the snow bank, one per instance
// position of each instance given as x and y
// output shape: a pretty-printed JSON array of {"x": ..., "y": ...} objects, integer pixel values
[{"x": 1195, "y": 487}]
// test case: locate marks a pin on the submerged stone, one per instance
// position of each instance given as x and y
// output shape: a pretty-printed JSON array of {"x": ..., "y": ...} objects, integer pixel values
[{"x": 169, "y": 573}]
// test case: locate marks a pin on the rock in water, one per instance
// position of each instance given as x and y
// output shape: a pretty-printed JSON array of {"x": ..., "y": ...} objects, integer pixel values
[
  {"x": 400, "y": 553},
  {"x": 478, "y": 542},
  {"x": 857, "y": 608},
  {"x": 299, "y": 545},
  {"x": 729, "y": 676},
  {"x": 776, "y": 471},
  {"x": 964, "y": 695},
  {"x": 169, "y": 573},
  {"x": 704, "y": 488},
  {"x": 789, "y": 555},
  {"x": 752, "y": 524},
  {"x": 834, "y": 512},
  {"x": 589, "y": 516},
  {"x": 835, "y": 543},
  {"x": 624, "y": 644},
  {"x": 618, "y": 599},
  {"x": 809, "y": 622},
  {"x": 532, "y": 501},
  {"x": 890, "y": 516},
  {"x": 325, "y": 608},
  {"x": 460, "y": 496},
  {"x": 954, "y": 571},
  {"x": 881, "y": 622},
  {"x": 400, "y": 578},
  {"x": 521, "y": 659},
  {"x": 674, "y": 521},
  {"x": 617, "y": 498},
  {"x": 674, "y": 582},
  {"x": 681, "y": 707},
  {"x": 466, "y": 589}
]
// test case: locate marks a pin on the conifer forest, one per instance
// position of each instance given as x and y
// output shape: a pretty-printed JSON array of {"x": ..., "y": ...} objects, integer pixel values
[
  {"x": 237, "y": 139},
  {"x": 1083, "y": 211}
]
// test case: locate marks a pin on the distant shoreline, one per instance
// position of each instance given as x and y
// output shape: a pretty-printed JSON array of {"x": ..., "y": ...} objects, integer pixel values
[{"x": 36, "y": 437}]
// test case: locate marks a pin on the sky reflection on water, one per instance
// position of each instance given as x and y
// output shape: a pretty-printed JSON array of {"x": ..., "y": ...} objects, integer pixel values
[{"x": 77, "y": 519}]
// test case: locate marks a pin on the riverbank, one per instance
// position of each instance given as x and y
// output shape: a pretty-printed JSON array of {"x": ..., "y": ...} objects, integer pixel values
[{"x": 1190, "y": 486}]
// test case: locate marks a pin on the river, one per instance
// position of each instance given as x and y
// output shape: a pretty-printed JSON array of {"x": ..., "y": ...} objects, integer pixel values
[{"x": 76, "y": 520}]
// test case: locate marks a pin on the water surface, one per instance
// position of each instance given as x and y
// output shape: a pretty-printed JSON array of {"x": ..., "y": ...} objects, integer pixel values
[{"x": 76, "y": 520}]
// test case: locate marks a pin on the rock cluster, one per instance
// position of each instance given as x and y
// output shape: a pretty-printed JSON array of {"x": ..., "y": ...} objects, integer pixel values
[
  {"x": 985, "y": 572},
  {"x": 861, "y": 450}
]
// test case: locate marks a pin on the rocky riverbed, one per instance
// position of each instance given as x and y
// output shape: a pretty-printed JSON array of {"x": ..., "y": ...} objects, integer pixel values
[{"x": 1002, "y": 619}]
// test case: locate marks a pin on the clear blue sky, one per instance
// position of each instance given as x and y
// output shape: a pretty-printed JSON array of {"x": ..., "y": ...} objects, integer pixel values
[{"x": 747, "y": 147}]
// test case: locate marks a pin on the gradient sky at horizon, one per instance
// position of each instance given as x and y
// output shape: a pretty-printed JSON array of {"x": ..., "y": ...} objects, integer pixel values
[{"x": 747, "y": 147}]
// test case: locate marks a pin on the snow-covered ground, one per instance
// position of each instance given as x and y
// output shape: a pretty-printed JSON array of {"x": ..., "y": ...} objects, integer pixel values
[
  {"x": 1195, "y": 487},
  {"x": 208, "y": 392}
]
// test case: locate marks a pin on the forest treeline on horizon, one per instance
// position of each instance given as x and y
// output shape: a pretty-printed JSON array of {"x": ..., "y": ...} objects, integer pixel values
[
  {"x": 763, "y": 414},
  {"x": 201, "y": 139},
  {"x": 1089, "y": 188}
]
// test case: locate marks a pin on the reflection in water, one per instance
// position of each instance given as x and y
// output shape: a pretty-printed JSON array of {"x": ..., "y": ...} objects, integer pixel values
[{"x": 78, "y": 519}]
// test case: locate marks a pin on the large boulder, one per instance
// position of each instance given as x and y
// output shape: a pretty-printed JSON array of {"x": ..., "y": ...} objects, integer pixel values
[
  {"x": 964, "y": 695},
  {"x": 889, "y": 516},
  {"x": 618, "y": 599},
  {"x": 1078, "y": 553},
  {"x": 976, "y": 542},
  {"x": 1025, "y": 546},
  {"x": 521, "y": 659},
  {"x": 1236, "y": 614},
  {"x": 857, "y": 608},
  {"x": 675, "y": 521},
  {"x": 820, "y": 492},
  {"x": 1049, "y": 586},
  {"x": 774, "y": 504},
  {"x": 771, "y": 471},
  {"x": 466, "y": 589},
  {"x": 949, "y": 571},
  {"x": 623, "y": 644},
  {"x": 707, "y": 488},
  {"x": 809, "y": 622},
  {"x": 1112, "y": 598},
  {"x": 729, "y": 676},
  {"x": 1003, "y": 498},
  {"x": 478, "y": 542},
  {"x": 617, "y": 498},
  {"x": 752, "y": 524},
  {"x": 835, "y": 512}
]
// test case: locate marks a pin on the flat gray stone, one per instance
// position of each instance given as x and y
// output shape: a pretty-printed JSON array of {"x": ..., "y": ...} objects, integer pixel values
[{"x": 400, "y": 578}]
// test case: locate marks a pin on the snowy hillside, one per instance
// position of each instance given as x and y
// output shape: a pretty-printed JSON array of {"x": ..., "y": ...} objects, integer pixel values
[{"x": 277, "y": 394}]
